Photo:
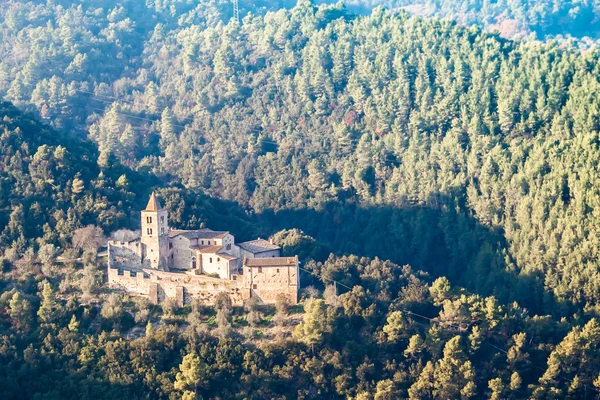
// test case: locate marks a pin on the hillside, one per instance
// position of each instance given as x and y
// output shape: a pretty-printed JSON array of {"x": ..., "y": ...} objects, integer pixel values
[
  {"x": 452, "y": 173},
  {"x": 513, "y": 19},
  {"x": 363, "y": 131}
]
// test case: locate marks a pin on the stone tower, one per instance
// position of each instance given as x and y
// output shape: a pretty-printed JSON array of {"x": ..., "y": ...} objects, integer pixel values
[{"x": 155, "y": 235}]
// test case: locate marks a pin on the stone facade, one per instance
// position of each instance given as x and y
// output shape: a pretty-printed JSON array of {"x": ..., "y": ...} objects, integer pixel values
[
  {"x": 184, "y": 264},
  {"x": 267, "y": 278}
]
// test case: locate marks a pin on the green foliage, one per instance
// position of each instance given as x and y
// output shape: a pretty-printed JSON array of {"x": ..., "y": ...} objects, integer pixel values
[{"x": 398, "y": 139}]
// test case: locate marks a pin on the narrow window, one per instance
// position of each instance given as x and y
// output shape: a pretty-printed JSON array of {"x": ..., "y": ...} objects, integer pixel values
[
  {"x": 162, "y": 230},
  {"x": 218, "y": 259},
  {"x": 162, "y": 219},
  {"x": 149, "y": 231},
  {"x": 170, "y": 245},
  {"x": 228, "y": 247},
  {"x": 210, "y": 260},
  {"x": 149, "y": 220},
  {"x": 259, "y": 269},
  {"x": 277, "y": 270},
  {"x": 208, "y": 242},
  {"x": 203, "y": 242}
]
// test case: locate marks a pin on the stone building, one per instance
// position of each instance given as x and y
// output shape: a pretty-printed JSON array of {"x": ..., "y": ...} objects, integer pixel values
[{"x": 201, "y": 263}]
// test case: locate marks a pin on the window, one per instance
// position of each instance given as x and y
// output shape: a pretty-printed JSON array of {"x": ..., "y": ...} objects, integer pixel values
[
  {"x": 149, "y": 231},
  {"x": 162, "y": 219},
  {"x": 162, "y": 230},
  {"x": 210, "y": 260},
  {"x": 228, "y": 247},
  {"x": 218, "y": 259},
  {"x": 149, "y": 220},
  {"x": 170, "y": 245},
  {"x": 208, "y": 242},
  {"x": 172, "y": 256},
  {"x": 277, "y": 270},
  {"x": 254, "y": 286},
  {"x": 203, "y": 242},
  {"x": 259, "y": 269}
]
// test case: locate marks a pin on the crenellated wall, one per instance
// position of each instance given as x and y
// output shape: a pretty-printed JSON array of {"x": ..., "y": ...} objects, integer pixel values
[
  {"x": 169, "y": 284},
  {"x": 134, "y": 267}
]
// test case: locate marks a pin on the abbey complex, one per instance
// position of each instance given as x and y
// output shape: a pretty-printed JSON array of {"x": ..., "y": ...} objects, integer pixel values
[{"x": 186, "y": 264}]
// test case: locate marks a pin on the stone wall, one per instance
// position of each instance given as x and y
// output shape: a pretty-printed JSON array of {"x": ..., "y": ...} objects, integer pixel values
[
  {"x": 215, "y": 264},
  {"x": 175, "y": 285},
  {"x": 125, "y": 254},
  {"x": 181, "y": 254},
  {"x": 267, "y": 283}
]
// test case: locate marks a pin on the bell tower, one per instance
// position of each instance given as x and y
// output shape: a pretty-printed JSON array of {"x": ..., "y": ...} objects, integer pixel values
[{"x": 155, "y": 235}]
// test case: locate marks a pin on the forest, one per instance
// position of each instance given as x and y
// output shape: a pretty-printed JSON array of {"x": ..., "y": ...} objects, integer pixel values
[
  {"x": 512, "y": 18},
  {"x": 444, "y": 177}
]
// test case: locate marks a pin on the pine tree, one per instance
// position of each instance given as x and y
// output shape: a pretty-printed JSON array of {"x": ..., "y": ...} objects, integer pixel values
[
  {"x": 20, "y": 312},
  {"x": 50, "y": 310},
  {"x": 191, "y": 376}
]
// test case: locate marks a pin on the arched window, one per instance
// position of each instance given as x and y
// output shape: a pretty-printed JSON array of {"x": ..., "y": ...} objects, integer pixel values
[
  {"x": 149, "y": 220},
  {"x": 193, "y": 262}
]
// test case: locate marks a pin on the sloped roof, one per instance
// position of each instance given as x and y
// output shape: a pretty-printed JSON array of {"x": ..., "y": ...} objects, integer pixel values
[
  {"x": 270, "y": 262},
  {"x": 258, "y": 246},
  {"x": 198, "y": 233},
  {"x": 209, "y": 249},
  {"x": 153, "y": 204}
]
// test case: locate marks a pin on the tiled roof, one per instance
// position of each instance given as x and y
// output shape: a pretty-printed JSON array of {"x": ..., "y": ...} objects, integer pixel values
[
  {"x": 153, "y": 204},
  {"x": 258, "y": 246},
  {"x": 209, "y": 249},
  {"x": 270, "y": 262},
  {"x": 198, "y": 234}
]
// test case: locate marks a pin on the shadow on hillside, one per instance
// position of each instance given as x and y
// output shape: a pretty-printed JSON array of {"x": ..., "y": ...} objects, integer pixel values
[
  {"x": 442, "y": 240},
  {"x": 439, "y": 240}
]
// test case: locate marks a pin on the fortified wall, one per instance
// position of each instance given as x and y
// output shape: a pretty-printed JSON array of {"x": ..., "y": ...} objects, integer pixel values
[
  {"x": 159, "y": 285},
  {"x": 169, "y": 263},
  {"x": 265, "y": 279}
]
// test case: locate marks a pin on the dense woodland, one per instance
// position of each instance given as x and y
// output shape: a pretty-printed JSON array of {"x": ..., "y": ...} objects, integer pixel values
[
  {"x": 513, "y": 18},
  {"x": 468, "y": 161}
]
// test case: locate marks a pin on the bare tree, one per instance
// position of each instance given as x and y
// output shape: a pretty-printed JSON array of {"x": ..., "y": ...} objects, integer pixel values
[
  {"x": 89, "y": 238},
  {"x": 125, "y": 235}
]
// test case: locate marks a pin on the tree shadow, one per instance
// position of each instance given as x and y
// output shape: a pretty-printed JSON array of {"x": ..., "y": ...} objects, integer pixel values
[{"x": 442, "y": 240}]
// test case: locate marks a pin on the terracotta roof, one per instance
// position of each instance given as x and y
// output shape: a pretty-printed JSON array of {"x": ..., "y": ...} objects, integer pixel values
[
  {"x": 198, "y": 233},
  {"x": 270, "y": 262},
  {"x": 258, "y": 246},
  {"x": 153, "y": 204}
]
